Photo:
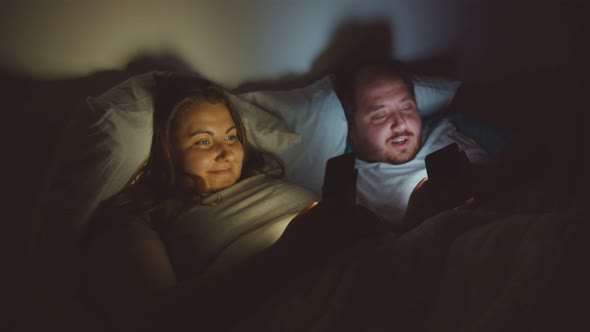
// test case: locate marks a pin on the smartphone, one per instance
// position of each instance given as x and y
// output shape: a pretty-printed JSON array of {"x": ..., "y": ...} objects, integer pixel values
[
  {"x": 340, "y": 180},
  {"x": 448, "y": 163}
]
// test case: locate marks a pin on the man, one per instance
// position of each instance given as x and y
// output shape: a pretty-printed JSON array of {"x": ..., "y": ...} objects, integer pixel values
[{"x": 386, "y": 133}]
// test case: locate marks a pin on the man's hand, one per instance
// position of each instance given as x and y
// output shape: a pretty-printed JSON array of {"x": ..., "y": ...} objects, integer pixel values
[{"x": 432, "y": 197}]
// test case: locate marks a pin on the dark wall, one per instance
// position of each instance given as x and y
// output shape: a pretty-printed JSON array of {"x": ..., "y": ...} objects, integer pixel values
[{"x": 524, "y": 65}]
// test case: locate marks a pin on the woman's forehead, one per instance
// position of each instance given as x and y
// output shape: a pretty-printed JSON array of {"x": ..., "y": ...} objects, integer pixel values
[{"x": 204, "y": 114}]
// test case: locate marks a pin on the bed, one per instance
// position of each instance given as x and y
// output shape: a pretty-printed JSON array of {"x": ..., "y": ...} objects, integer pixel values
[{"x": 519, "y": 261}]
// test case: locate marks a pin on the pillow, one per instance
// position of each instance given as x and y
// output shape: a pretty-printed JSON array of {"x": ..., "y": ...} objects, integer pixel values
[
  {"x": 433, "y": 94},
  {"x": 493, "y": 138},
  {"x": 105, "y": 140},
  {"x": 109, "y": 136},
  {"x": 315, "y": 113},
  {"x": 264, "y": 130}
]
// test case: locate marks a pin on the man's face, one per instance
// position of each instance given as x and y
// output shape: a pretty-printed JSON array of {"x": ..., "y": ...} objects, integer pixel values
[{"x": 387, "y": 126}]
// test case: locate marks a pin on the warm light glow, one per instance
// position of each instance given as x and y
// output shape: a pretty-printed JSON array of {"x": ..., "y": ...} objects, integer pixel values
[{"x": 307, "y": 208}]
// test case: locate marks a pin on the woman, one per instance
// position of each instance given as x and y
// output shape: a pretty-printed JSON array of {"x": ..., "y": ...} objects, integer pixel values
[{"x": 204, "y": 202}]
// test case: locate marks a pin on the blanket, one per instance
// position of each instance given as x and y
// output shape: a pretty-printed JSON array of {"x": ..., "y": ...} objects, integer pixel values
[
  {"x": 233, "y": 225},
  {"x": 517, "y": 262}
]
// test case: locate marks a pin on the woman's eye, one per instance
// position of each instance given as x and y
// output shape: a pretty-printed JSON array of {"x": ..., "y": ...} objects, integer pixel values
[
  {"x": 203, "y": 142},
  {"x": 231, "y": 138}
]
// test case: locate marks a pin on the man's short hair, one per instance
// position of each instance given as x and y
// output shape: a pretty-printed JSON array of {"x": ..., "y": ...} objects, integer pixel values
[{"x": 346, "y": 82}]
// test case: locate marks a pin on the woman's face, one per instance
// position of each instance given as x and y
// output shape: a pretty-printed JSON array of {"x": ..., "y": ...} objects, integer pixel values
[{"x": 206, "y": 145}]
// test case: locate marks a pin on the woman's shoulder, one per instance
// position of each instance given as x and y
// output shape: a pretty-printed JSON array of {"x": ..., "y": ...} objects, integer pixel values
[
  {"x": 123, "y": 216},
  {"x": 118, "y": 234}
]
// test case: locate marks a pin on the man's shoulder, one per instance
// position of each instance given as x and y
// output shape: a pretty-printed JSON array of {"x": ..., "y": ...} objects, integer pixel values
[
  {"x": 437, "y": 126},
  {"x": 443, "y": 131}
]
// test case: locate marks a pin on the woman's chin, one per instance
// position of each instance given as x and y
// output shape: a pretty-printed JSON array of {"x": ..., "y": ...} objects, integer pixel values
[{"x": 220, "y": 185}]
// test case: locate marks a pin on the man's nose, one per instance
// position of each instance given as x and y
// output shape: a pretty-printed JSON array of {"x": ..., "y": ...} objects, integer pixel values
[{"x": 398, "y": 121}]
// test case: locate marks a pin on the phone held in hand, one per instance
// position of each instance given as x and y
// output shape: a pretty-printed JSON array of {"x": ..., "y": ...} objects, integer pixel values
[{"x": 447, "y": 164}]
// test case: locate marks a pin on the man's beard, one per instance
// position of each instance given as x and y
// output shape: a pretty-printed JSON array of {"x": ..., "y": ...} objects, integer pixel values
[
  {"x": 404, "y": 155},
  {"x": 384, "y": 153}
]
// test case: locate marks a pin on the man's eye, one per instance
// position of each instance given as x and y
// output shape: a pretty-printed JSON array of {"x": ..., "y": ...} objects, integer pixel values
[
  {"x": 379, "y": 117},
  {"x": 407, "y": 107}
]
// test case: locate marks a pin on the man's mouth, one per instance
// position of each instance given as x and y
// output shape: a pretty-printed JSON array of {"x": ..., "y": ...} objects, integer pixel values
[{"x": 400, "y": 141}]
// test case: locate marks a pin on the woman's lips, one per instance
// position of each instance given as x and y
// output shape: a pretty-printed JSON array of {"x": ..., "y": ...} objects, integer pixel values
[{"x": 222, "y": 171}]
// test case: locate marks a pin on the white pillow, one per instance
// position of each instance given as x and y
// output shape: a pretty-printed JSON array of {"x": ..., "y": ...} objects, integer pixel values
[
  {"x": 315, "y": 113},
  {"x": 264, "y": 130},
  {"x": 123, "y": 128},
  {"x": 109, "y": 137},
  {"x": 433, "y": 94},
  {"x": 105, "y": 140}
]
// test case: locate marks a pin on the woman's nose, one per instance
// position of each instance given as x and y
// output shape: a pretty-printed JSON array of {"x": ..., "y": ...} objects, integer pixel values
[{"x": 224, "y": 152}]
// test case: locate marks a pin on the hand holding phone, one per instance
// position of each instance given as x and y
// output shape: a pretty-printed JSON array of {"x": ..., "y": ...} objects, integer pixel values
[
  {"x": 447, "y": 186},
  {"x": 447, "y": 164}
]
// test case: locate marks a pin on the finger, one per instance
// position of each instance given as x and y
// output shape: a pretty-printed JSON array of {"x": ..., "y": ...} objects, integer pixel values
[
  {"x": 420, "y": 183},
  {"x": 469, "y": 203}
]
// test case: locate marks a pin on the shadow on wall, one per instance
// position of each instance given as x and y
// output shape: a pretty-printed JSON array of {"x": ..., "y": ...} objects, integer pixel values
[
  {"x": 354, "y": 42},
  {"x": 359, "y": 42}
]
